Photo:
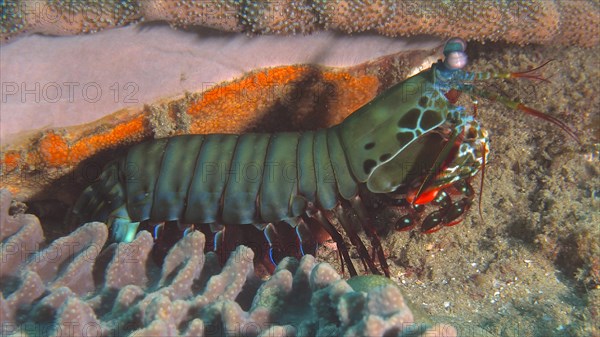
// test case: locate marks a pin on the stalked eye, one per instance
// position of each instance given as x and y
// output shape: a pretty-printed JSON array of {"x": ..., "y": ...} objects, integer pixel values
[
  {"x": 456, "y": 60},
  {"x": 455, "y": 44},
  {"x": 454, "y": 51}
]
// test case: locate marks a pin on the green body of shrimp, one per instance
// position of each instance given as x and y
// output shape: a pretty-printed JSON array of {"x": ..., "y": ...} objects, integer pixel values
[{"x": 411, "y": 141}]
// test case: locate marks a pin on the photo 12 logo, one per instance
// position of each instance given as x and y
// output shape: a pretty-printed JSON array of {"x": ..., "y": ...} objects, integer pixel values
[{"x": 69, "y": 92}]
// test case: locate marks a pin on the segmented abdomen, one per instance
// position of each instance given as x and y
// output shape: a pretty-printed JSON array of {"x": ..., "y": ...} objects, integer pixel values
[{"x": 228, "y": 179}]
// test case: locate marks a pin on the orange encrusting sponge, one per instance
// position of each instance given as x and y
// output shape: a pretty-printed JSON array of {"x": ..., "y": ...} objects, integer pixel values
[{"x": 232, "y": 107}]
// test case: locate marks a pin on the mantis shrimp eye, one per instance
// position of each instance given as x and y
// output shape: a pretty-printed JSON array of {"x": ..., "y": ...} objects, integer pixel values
[
  {"x": 454, "y": 51},
  {"x": 456, "y": 60},
  {"x": 455, "y": 44}
]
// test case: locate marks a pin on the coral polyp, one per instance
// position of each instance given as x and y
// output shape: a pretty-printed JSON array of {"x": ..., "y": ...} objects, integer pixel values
[{"x": 539, "y": 21}]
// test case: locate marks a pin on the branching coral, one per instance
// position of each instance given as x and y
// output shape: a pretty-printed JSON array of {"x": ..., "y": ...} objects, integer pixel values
[
  {"x": 538, "y": 21},
  {"x": 73, "y": 288}
]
